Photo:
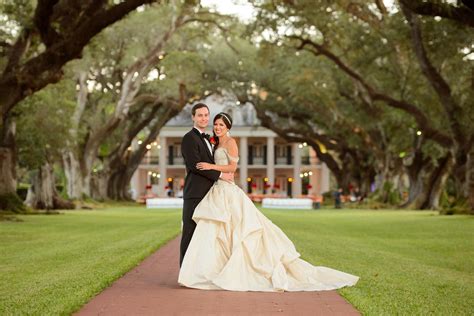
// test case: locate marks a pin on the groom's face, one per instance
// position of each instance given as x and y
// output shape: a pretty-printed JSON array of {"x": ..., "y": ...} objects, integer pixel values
[{"x": 201, "y": 118}]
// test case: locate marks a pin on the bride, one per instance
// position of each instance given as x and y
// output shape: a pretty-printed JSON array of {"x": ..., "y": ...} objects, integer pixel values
[{"x": 235, "y": 247}]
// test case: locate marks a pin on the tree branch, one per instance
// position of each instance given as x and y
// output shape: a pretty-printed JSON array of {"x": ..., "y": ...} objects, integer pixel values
[
  {"x": 18, "y": 50},
  {"x": 359, "y": 12},
  {"x": 461, "y": 14},
  {"x": 294, "y": 135},
  {"x": 381, "y": 6},
  {"x": 441, "y": 87},
  {"x": 45, "y": 68},
  {"x": 92, "y": 25},
  {"x": 41, "y": 19},
  {"x": 422, "y": 120},
  {"x": 220, "y": 27}
]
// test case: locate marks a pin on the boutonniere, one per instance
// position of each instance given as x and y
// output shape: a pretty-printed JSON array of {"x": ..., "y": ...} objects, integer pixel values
[{"x": 213, "y": 141}]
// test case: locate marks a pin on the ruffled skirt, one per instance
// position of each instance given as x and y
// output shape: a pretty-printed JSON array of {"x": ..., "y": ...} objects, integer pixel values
[{"x": 235, "y": 247}]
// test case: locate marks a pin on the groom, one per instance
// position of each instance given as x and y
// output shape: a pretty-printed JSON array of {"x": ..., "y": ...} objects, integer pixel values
[{"x": 195, "y": 148}]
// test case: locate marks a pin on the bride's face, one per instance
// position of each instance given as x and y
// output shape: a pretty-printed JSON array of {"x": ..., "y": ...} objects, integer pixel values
[{"x": 220, "y": 128}]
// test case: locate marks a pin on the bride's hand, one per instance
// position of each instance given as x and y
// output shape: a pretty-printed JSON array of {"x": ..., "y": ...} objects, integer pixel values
[{"x": 204, "y": 166}]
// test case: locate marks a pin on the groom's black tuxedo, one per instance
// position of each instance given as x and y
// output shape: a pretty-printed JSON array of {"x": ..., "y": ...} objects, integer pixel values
[
  {"x": 197, "y": 183},
  {"x": 194, "y": 150}
]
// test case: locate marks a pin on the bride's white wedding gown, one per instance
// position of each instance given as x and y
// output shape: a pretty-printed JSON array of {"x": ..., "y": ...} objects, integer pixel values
[{"x": 235, "y": 247}]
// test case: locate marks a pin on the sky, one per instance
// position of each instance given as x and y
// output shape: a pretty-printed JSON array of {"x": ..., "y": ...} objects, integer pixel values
[
  {"x": 244, "y": 10},
  {"x": 240, "y": 8}
]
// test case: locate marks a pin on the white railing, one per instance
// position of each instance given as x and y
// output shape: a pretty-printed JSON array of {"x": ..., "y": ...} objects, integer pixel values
[
  {"x": 164, "y": 203},
  {"x": 287, "y": 203}
]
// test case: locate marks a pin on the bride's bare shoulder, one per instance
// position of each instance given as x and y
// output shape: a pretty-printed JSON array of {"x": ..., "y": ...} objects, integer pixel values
[
  {"x": 229, "y": 143},
  {"x": 232, "y": 148}
]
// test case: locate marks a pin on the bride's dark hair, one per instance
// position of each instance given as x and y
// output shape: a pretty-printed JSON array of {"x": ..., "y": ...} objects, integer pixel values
[{"x": 227, "y": 119}]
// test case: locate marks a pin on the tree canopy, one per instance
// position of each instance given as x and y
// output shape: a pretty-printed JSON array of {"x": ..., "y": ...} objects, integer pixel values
[{"x": 382, "y": 93}]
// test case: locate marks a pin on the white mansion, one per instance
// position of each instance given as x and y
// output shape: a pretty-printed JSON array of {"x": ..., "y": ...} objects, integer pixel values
[{"x": 268, "y": 164}]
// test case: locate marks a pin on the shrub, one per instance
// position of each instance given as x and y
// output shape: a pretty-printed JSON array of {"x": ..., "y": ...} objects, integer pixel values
[{"x": 12, "y": 203}]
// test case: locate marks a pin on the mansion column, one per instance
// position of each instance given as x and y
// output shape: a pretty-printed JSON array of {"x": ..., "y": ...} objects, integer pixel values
[
  {"x": 325, "y": 178},
  {"x": 271, "y": 160},
  {"x": 296, "y": 189},
  {"x": 137, "y": 189},
  {"x": 315, "y": 173},
  {"x": 243, "y": 168},
  {"x": 163, "y": 166}
]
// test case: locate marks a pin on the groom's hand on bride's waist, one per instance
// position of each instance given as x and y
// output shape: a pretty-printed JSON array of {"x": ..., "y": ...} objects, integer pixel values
[{"x": 227, "y": 176}]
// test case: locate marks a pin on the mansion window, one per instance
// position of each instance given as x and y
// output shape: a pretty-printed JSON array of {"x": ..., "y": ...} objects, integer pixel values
[
  {"x": 283, "y": 154},
  {"x": 174, "y": 154},
  {"x": 257, "y": 154},
  {"x": 305, "y": 158}
]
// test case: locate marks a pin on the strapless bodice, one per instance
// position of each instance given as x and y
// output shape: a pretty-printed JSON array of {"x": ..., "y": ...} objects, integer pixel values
[{"x": 222, "y": 157}]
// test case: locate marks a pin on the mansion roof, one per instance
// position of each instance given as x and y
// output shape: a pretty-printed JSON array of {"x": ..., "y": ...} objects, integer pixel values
[{"x": 243, "y": 115}]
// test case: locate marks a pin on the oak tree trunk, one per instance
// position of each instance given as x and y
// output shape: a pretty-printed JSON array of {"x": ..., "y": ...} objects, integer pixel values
[
  {"x": 42, "y": 194},
  {"x": 9, "y": 200},
  {"x": 470, "y": 180},
  {"x": 74, "y": 177}
]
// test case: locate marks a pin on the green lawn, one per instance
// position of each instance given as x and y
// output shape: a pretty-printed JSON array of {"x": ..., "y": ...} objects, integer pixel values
[
  {"x": 410, "y": 263},
  {"x": 53, "y": 264}
]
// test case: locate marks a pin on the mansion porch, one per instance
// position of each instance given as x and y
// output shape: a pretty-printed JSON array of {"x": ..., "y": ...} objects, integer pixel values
[{"x": 268, "y": 165}]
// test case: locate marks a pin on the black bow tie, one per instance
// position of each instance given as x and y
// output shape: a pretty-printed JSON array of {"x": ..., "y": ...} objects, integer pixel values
[{"x": 206, "y": 136}]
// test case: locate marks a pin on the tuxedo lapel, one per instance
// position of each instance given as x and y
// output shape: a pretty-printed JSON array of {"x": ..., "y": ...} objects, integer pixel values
[{"x": 206, "y": 148}]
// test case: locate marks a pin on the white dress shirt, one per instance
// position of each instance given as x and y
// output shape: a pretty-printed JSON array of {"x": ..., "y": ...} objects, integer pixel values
[{"x": 209, "y": 146}]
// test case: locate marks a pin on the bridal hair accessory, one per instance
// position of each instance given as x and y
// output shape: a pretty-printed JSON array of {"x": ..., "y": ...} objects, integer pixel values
[{"x": 227, "y": 118}]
